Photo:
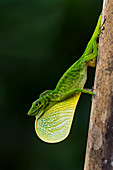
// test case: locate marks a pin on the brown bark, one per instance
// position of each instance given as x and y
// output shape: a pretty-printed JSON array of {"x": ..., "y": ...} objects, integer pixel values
[{"x": 99, "y": 153}]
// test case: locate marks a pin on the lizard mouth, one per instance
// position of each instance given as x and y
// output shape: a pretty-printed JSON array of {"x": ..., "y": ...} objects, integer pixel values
[{"x": 32, "y": 113}]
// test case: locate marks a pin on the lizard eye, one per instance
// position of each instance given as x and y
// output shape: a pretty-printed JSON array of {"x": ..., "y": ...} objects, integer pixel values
[{"x": 37, "y": 104}]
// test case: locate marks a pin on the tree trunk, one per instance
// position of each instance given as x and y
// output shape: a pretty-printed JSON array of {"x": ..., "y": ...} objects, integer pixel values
[{"x": 99, "y": 153}]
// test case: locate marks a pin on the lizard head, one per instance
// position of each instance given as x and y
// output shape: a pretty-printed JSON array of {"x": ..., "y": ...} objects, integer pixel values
[{"x": 38, "y": 106}]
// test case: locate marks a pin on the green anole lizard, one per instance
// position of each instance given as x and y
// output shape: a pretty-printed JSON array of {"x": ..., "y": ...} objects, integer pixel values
[{"x": 54, "y": 109}]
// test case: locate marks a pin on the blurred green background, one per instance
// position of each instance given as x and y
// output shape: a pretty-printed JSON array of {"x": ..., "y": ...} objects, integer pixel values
[{"x": 39, "y": 40}]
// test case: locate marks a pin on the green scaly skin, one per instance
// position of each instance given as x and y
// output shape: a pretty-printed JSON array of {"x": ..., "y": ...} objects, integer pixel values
[{"x": 72, "y": 81}]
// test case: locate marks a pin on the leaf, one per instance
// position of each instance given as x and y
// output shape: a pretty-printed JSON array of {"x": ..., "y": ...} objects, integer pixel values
[{"x": 55, "y": 124}]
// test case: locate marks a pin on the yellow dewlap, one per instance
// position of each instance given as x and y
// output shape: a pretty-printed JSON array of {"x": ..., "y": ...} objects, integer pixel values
[{"x": 55, "y": 124}]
